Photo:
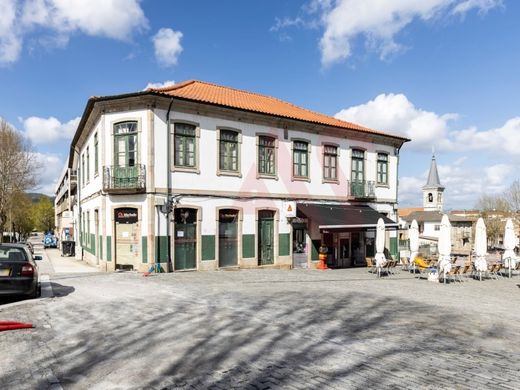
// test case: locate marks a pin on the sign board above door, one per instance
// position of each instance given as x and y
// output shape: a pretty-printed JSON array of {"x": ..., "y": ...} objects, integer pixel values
[{"x": 290, "y": 209}]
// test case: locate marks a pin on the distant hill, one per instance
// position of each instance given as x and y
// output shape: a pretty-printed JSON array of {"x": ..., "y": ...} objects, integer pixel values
[{"x": 35, "y": 196}]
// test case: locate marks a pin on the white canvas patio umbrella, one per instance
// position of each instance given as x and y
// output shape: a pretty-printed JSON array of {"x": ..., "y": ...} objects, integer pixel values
[
  {"x": 445, "y": 247},
  {"x": 413, "y": 235},
  {"x": 509, "y": 257},
  {"x": 480, "y": 247},
  {"x": 380, "y": 246}
]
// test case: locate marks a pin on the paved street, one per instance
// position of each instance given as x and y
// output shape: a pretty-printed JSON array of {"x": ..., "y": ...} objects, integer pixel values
[{"x": 261, "y": 329}]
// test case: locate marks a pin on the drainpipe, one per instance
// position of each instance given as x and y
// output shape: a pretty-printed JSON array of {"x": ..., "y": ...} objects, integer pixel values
[
  {"x": 397, "y": 177},
  {"x": 168, "y": 185},
  {"x": 397, "y": 196},
  {"x": 78, "y": 204}
]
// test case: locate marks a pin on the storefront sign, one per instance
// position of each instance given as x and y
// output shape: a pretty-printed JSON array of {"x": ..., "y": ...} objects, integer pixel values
[
  {"x": 290, "y": 209},
  {"x": 126, "y": 215}
]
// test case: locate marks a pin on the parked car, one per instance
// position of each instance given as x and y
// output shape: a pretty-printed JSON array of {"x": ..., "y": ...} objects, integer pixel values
[
  {"x": 18, "y": 271},
  {"x": 29, "y": 245},
  {"x": 50, "y": 241}
]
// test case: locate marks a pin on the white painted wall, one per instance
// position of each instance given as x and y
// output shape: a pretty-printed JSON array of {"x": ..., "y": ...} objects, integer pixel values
[{"x": 208, "y": 179}]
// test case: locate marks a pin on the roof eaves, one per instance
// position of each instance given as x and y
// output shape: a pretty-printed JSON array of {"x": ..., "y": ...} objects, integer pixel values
[
  {"x": 88, "y": 110},
  {"x": 352, "y": 127}
]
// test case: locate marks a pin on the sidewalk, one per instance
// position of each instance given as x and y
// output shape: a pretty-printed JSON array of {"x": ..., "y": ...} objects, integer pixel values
[{"x": 69, "y": 265}]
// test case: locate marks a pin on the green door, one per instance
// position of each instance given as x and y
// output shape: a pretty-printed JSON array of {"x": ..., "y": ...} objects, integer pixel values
[
  {"x": 358, "y": 173},
  {"x": 185, "y": 239},
  {"x": 228, "y": 238},
  {"x": 265, "y": 237}
]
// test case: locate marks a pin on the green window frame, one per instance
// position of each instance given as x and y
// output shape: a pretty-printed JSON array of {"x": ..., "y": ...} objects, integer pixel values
[
  {"x": 88, "y": 165},
  {"x": 358, "y": 166},
  {"x": 82, "y": 228},
  {"x": 266, "y": 155},
  {"x": 382, "y": 168},
  {"x": 185, "y": 145},
  {"x": 96, "y": 154},
  {"x": 125, "y": 144},
  {"x": 228, "y": 151},
  {"x": 83, "y": 169},
  {"x": 300, "y": 159},
  {"x": 330, "y": 162}
]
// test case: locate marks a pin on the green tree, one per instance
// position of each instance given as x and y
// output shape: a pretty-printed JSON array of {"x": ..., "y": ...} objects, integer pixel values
[
  {"x": 44, "y": 214},
  {"x": 23, "y": 215},
  {"x": 17, "y": 171},
  {"x": 494, "y": 210}
]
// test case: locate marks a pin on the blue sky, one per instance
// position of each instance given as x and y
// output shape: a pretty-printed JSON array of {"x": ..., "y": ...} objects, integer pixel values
[{"x": 443, "y": 72}]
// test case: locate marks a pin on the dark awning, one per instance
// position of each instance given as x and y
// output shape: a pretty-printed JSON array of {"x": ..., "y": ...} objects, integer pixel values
[{"x": 336, "y": 216}]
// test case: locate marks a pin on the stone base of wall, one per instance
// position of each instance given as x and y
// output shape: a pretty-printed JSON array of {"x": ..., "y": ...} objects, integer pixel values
[{"x": 283, "y": 262}]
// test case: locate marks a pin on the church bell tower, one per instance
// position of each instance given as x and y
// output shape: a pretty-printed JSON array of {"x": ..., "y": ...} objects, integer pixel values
[{"x": 433, "y": 198}]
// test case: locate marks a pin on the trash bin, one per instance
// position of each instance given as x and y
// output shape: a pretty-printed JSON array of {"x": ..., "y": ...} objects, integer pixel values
[{"x": 68, "y": 248}]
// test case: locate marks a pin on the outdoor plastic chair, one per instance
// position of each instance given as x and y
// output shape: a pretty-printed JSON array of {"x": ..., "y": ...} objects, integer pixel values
[
  {"x": 390, "y": 267},
  {"x": 405, "y": 264},
  {"x": 453, "y": 273},
  {"x": 371, "y": 265},
  {"x": 493, "y": 270},
  {"x": 466, "y": 271},
  {"x": 423, "y": 266},
  {"x": 517, "y": 268}
]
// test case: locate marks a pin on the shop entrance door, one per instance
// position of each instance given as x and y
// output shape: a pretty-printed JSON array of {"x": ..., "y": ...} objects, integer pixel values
[
  {"x": 299, "y": 245},
  {"x": 185, "y": 239},
  {"x": 344, "y": 252},
  {"x": 265, "y": 237},
  {"x": 228, "y": 238},
  {"x": 127, "y": 238}
]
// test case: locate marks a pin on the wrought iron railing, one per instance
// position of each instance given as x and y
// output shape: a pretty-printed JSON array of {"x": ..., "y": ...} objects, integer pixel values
[
  {"x": 362, "y": 189},
  {"x": 124, "y": 179}
]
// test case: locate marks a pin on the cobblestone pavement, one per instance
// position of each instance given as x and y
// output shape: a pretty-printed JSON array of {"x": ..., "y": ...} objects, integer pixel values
[{"x": 264, "y": 329}]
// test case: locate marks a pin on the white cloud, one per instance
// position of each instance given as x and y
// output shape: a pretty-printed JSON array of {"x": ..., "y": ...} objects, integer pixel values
[
  {"x": 502, "y": 139},
  {"x": 465, "y": 178},
  {"x": 52, "y": 165},
  {"x": 167, "y": 45},
  {"x": 481, "y": 5},
  {"x": 394, "y": 113},
  {"x": 167, "y": 83},
  {"x": 464, "y": 183},
  {"x": 376, "y": 22},
  {"x": 116, "y": 19},
  {"x": 49, "y": 130},
  {"x": 498, "y": 174},
  {"x": 10, "y": 45}
]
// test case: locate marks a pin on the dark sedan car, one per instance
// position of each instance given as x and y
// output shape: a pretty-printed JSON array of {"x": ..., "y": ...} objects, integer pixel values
[{"x": 18, "y": 272}]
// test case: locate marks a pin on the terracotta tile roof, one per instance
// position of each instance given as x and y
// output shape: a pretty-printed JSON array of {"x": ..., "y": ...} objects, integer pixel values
[
  {"x": 204, "y": 92},
  {"x": 405, "y": 211}
]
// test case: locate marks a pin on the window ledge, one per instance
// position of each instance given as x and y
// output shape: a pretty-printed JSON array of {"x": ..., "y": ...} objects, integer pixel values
[
  {"x": 264, "y": 176},
  {"x": 382, "y": 185},
  {"x": 301, "y": 179},
  {"x": 330, "y": 181},
  {"x": 186, "y": 170},
  {"x": 226, "y": 173}
]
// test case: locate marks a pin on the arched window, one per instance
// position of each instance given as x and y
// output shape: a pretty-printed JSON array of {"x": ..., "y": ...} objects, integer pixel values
[{"x": 125, "y": 144}]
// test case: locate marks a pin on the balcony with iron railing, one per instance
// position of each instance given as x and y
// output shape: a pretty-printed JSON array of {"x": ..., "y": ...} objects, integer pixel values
[
  {"x": 362, "y": 189},
  {"x": 124, "y": 180}
]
